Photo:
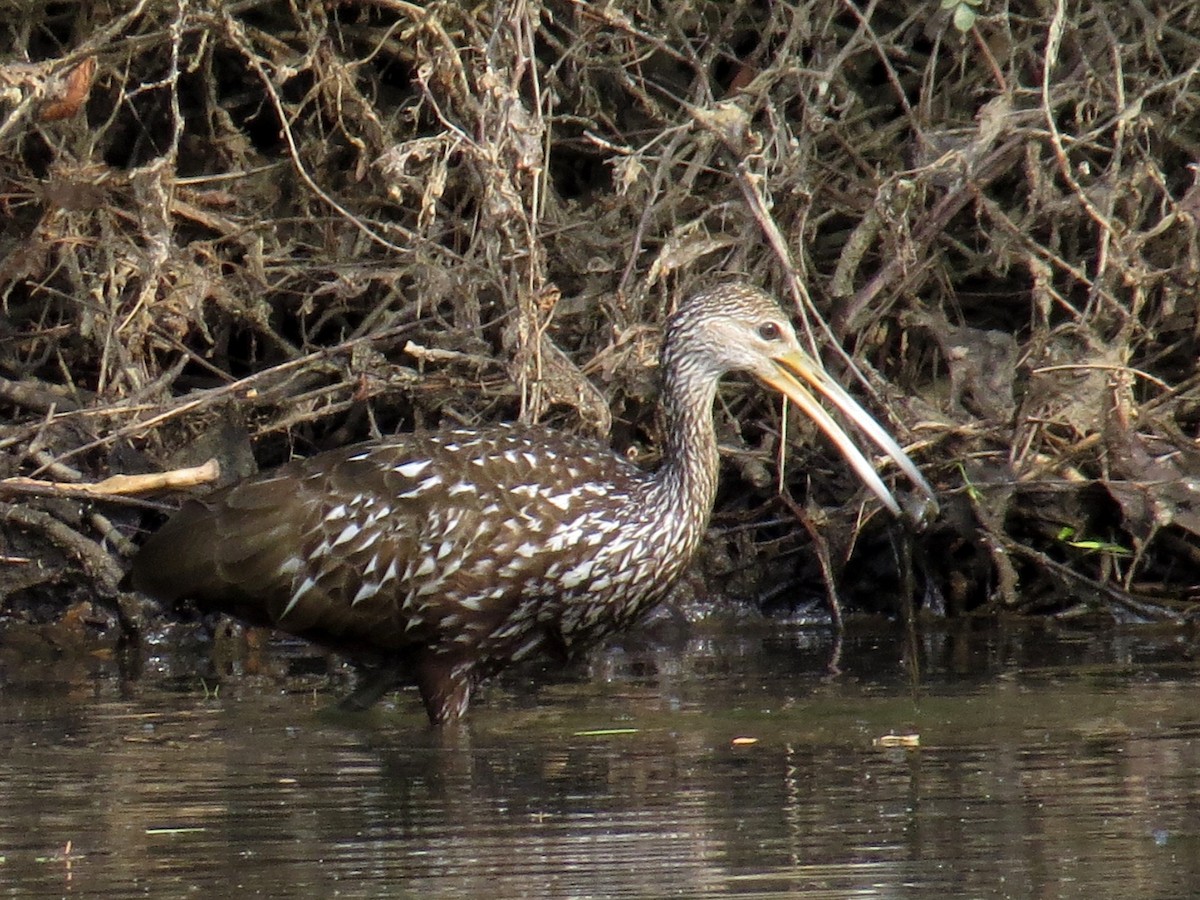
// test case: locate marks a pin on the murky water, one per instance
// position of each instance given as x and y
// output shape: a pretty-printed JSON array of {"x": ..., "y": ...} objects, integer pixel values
[{"x": 1048, "y": 765}]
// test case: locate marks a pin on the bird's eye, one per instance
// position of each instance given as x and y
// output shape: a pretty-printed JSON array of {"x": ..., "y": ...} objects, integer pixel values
[{"x": 769, "y": 331}]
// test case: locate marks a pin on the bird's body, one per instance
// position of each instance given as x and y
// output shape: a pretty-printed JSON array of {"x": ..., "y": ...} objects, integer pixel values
[
  {"x": 461, "y": 550},
  {"x": 451, "y": 554}
]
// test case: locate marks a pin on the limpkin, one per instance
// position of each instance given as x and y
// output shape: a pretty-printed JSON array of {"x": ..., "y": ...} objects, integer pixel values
[{"x": 445, "y": 556}]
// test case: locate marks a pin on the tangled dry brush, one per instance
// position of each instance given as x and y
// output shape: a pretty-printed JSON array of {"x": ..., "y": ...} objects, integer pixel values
[{"x": 289, "y": 225}]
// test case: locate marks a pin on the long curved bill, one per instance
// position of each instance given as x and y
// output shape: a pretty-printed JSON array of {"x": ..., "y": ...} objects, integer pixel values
[{"x": 797, "y": 368}]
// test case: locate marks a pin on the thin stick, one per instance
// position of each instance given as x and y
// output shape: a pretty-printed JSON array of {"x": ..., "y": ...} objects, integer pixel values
[{"x": 124, "y": 485}]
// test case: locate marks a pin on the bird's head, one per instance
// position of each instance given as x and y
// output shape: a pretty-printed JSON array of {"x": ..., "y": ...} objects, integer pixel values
[{"x": 738, "y": 328}]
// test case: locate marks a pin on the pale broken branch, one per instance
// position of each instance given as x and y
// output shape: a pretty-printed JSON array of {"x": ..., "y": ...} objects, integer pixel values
[{"x": 125, "y": 485}]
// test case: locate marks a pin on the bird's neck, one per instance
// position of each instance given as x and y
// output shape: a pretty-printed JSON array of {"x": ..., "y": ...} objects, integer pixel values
[{"x": 687, "y": 479}]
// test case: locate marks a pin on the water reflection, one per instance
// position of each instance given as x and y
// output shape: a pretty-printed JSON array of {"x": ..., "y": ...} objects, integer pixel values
[{"x": 1031, "y": 779}]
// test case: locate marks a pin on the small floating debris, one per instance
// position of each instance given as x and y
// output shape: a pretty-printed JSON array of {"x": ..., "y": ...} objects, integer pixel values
[
  {"x": 897, "y": 740},
  {"x": 180, "y": 830},
  {"x": 606, "y": 732},
  {"x": 744, "y": 741},
  {"x": 67, "y": 855}
]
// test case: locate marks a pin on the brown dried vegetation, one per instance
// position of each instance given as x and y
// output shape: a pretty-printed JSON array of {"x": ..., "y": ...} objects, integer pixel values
[{"x": 293, "y": 225}]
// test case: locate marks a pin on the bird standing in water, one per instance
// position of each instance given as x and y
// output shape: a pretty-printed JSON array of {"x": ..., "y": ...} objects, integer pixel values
[{"x": 448, "y": 555}]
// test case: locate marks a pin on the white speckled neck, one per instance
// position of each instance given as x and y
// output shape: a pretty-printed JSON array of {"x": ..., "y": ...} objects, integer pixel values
[{"x": 686, "y": 484}]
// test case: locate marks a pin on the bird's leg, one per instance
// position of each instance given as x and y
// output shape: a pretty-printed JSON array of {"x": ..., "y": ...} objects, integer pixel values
[
  {"x": 372, "y": 684},
  {"x": 445, "y": 684}
]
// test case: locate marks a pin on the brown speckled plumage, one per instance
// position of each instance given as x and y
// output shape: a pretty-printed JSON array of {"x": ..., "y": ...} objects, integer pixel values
[{"x": 453, "y": 553}]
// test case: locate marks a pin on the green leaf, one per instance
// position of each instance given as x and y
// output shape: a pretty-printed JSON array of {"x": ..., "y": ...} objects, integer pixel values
[{"x": 964, "y": 17}]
